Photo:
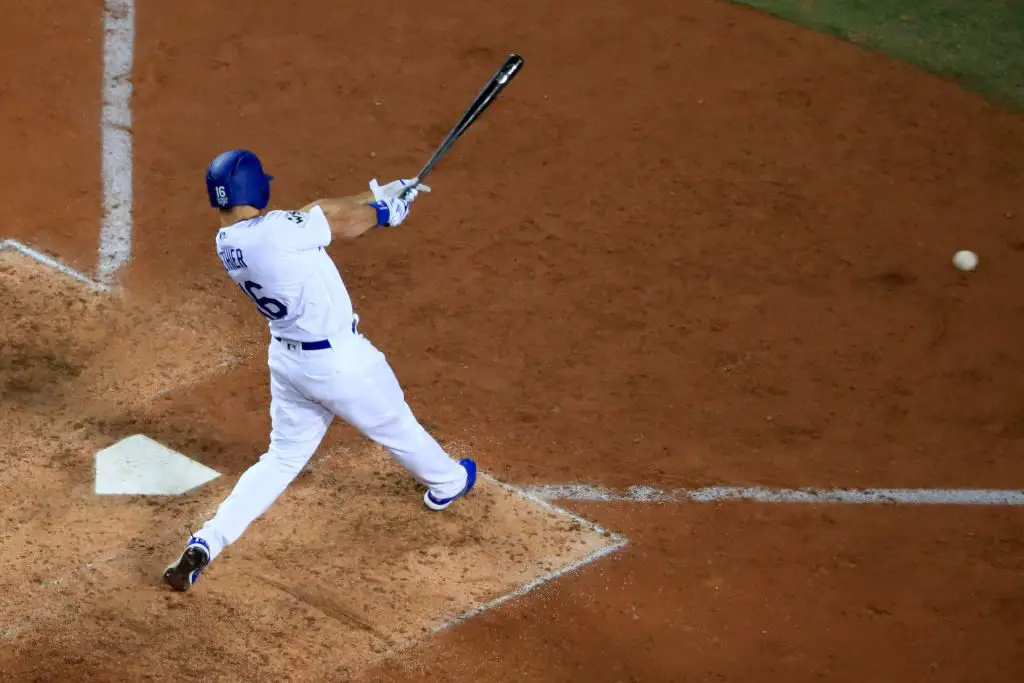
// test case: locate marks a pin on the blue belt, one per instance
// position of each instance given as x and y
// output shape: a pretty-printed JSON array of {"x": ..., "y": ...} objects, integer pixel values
[
  {"x": 319, "y": 345},
  {"x": 308, "y": 346}
]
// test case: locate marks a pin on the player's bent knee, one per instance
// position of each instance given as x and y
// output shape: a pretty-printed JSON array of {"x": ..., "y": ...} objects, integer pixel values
[{"x": 288, "y": 463}]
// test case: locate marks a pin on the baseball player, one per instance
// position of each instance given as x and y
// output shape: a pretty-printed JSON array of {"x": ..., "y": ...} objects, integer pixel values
[{"x": 320, "y": 365}]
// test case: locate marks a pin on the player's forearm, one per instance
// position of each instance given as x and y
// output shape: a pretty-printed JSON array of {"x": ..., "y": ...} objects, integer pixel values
[
  {"x": 349, "y": 217},
  {"x": 361, "y": 198},
  {"x": 338, "y": 202}
]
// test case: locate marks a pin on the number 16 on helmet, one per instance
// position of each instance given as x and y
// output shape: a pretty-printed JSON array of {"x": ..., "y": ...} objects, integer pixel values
[{"x": 236, "y": 178}]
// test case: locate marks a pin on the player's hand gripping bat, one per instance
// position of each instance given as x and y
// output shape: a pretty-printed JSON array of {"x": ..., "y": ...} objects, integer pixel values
[{"x": 490, "y": 92}]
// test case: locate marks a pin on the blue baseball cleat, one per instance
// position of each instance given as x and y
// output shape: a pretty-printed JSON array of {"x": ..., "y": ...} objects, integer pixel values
[
  {"x": 185, "y": 572},
  {"x": 441, "y": 503}
]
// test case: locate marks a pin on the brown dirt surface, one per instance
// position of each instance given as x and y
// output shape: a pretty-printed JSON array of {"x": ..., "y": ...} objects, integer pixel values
[
  {"x": 345, "y": 571},
  {"x": 690, "y": 245},
  {"x": 79, "y": 374},
  {"x": 50, "y": 90}
]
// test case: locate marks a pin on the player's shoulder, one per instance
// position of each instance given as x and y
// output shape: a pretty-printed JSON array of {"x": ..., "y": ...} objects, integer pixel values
[{"x": 294, "y": 218}]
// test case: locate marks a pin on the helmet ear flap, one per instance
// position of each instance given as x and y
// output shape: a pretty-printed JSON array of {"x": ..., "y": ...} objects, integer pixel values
[{"x": 264, "y": 190}]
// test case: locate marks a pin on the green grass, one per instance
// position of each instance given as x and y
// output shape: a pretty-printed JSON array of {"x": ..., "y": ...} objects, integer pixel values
[{"x": 978, "y": 43}]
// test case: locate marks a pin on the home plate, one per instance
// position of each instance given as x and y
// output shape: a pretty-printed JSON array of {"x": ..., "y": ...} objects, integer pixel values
[{"x": 138, "y": 465}]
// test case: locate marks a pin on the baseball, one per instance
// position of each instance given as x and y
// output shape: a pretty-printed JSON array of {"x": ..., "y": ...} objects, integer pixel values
[{"x": 965, "y": 260}]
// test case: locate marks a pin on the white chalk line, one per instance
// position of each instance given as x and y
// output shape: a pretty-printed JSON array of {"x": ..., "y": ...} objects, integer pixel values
[
  {"x": 115, "y": 241},
  {"x": 53, "y": 263},
  {"x": 615, "y": 542},
  {"x": 115, "y": 244},
  {"x": 762, "y": 494}
]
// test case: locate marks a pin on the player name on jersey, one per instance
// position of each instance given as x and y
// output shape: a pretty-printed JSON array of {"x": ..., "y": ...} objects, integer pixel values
[{"x": 233, "y": 259}]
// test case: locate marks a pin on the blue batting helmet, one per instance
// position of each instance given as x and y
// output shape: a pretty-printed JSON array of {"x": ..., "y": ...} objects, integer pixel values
[{"x": 236, "y": 178}]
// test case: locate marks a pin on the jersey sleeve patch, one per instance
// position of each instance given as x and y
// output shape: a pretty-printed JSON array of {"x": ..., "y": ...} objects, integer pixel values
[
  {"x": 305, "y": 231},
  {"x": 302, "y": 231}
]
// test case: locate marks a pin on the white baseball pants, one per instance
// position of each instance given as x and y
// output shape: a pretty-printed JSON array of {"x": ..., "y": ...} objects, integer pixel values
[{"x": 351, "y": 380}]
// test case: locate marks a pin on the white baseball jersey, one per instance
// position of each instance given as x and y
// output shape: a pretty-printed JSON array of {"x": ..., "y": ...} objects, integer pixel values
[{"x": 278, "y": 260}]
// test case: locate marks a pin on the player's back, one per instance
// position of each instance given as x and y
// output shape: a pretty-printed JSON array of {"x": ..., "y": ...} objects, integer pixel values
[{"x": 278, "y": 260}]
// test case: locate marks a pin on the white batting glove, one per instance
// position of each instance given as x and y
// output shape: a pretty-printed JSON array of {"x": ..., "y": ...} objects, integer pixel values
[
  {"x": 395, "y": 188},
  {"x": 391, "y": 211}
]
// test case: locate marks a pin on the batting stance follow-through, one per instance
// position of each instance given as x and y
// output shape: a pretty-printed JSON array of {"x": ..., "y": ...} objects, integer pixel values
[{"x": 320, "y": 365}]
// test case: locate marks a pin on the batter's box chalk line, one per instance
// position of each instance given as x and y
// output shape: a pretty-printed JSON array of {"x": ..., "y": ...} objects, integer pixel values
[
  {"x": 613, "y": 542},
  {"x": 762, "y": 494},
  {"x": 53, "y": 263}
]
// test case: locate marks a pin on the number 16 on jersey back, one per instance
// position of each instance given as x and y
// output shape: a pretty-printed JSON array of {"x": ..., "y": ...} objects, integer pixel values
[{"x": 271, "y": 308}]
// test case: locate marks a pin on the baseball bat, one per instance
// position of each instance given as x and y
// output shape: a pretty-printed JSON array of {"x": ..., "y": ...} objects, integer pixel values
[{"x": 501, "y": 78}]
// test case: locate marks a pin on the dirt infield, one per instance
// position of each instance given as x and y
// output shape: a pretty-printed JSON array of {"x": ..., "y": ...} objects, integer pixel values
[{"x": 691, "y": 245}]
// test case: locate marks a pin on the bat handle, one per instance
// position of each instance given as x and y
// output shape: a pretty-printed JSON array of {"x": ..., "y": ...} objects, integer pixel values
[
  {"x": 406, "y": 191},
  {"x": 419, "y": 179}
]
